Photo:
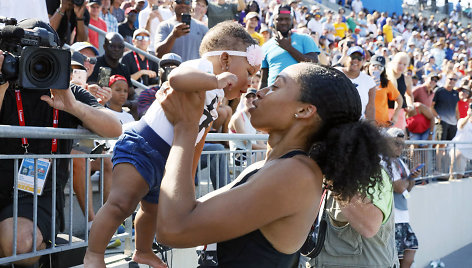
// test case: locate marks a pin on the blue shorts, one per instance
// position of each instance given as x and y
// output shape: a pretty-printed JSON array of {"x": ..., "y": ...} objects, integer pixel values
[{"x": 141, "y": 147}]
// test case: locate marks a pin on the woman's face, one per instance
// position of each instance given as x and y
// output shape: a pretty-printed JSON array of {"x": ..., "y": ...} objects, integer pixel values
[
  {"x": 401, "y": 65},
  {"x": 276, "y": 105}
]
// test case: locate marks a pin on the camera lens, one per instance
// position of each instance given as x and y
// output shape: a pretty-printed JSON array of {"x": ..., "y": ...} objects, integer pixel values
[{"x": 41, "y": 68}]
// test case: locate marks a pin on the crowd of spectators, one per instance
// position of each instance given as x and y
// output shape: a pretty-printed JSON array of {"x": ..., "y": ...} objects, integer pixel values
[{"x": 411, "y": 71}]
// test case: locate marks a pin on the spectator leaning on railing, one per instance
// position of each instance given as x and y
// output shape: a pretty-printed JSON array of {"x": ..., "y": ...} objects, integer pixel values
[{"x": 76, "y": 106}]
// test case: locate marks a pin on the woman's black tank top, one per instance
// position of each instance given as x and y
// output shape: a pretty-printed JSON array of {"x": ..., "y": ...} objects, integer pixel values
[
  {"x": 401, "y": 86},
  {"x": 253, "y": 250}
]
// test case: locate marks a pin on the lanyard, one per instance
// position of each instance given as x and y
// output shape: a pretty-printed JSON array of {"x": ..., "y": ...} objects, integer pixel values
[
  {"x": 137, "y": 62},
  {"x": 21, "y": 119}
]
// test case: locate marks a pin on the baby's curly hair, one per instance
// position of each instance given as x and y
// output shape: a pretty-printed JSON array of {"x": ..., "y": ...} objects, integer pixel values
[{"x": 227, "y": 35}]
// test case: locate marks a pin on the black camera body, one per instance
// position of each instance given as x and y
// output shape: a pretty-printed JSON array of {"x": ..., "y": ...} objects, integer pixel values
[{"x": 33, "y": 59}]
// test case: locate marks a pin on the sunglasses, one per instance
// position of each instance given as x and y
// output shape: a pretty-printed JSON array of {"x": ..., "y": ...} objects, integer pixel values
[
  {"x": 357, "y": 57},
  {"x": 185, "y": 2},
  {"x": 452, "y": 79},
  {"x": 142, "y": 37},
  {"x": 378, "y": 67},
  {"x": 434, "y": 80},
  {"x": 91, "y": 60}
]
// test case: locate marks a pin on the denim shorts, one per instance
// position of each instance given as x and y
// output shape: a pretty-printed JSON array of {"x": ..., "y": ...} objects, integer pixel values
[{"x": 147, "y": 152}]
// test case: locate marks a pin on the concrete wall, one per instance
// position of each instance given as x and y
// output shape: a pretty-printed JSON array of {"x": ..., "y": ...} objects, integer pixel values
[{"x": 441, "y": 217}]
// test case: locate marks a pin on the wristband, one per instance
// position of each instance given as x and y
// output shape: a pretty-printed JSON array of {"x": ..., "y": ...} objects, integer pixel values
[
  {"x": 80, "y": 18},
  {"x": 58, "y": 10}
]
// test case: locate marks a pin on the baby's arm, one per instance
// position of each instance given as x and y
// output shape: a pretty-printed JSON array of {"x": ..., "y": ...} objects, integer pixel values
[{"x": 184, "y": 78}]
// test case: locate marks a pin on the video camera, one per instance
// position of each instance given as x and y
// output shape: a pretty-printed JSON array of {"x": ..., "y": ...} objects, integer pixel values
[{"x": 33, "y": 59}]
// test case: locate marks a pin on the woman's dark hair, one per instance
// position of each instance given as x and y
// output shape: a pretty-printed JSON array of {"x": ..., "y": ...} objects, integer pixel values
[
  {"x": 227, "y": 35},
  {"x": 248, "y": 6},
  {"x": 348, "y": 150},
  {"x": 383, "y": 75}
]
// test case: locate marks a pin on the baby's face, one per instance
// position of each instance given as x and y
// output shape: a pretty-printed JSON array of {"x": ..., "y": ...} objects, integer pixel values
[{"x": 240, "y": 67}]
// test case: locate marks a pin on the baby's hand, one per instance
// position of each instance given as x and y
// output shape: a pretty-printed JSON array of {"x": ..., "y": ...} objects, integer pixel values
[{"x": 226, "y": 80}]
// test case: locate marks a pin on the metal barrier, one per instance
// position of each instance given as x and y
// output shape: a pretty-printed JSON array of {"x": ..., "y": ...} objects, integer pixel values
[{"x": 217, "y": 167}]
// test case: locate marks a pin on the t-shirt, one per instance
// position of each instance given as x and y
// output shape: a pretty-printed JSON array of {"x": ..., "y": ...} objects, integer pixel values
[
  {"x": 218, "y": 13},
  {"x": 445, "y": 105},
  {"x": 315, "y": 26},
  {"x": 145, "y": 99},
  {"x": 93, "y": 36},
  {"x": 186, "y": 46},
  {"x": 126, "y": 31},
  {"x": 351, "y": 24},
  {"x": 276, "y": 58},
  {"x": 382, "y": 96},
  {"x": 401, "y": 216},
  {"x": 363, "y": 83},
  {"x": 157, "y": 120},
  {"x": 258, "y": 37},
  {"x": 382, "y": 196},
  {"x": 420, "y": 94},
  {"x": 388, "y": 33},
  {"x": 38, "y": 113},
  {"x": 67, "y": 24},
  {"x": 340, "y": 29},
  {"x": 129, "y": 62},
  {"x": 101, "y": 62},
  {"x": 143, "y": 18}
]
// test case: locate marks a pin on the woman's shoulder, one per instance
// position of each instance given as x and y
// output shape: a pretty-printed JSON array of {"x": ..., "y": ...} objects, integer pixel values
[{"x": 299, "y": 171}]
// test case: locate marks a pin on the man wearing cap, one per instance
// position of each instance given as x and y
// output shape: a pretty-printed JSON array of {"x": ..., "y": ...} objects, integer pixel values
[
  {"x": 425, "y": 93},
  {"x": 177, "y": 37},
  {"x": 252, "y": 20},
  {"x": 315, "y": 24},
  {"x": 150, "y": 17},
  {"x": 126, "y": 28},
  {"x": 199, "y": 10},
  {"x": 65, "y": 17},
  {"x": 222, "y": 11},
  {"x": 285, "y": 48},
  {"x": 141, "y": 68},
  {"x": 365, "y": 85},
  {"x": 94, "y": 7},
  {"x": 75, "y": 106}
]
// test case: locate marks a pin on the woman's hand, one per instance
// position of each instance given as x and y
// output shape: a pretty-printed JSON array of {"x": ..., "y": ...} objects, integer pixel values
[{"x": 181, "y": 107}]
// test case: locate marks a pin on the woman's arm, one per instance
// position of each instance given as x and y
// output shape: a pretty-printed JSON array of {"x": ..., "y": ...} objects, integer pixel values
[
  {"x": 188, "y": 79},
  {"x": 185, "y": 222},
  {"x": 409, "y": 91},
  {"x": 398, "y": 108},
  {"x": 363, "y": 216}
]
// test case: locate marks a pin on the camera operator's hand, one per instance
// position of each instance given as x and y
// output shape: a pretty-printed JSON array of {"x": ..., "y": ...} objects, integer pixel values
[
  {"x": 61, "y": 99},
  {"x": 80, "y": 10},
  {"x": 4, "y": 86},
  {"x": 180, "y": 30}
]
